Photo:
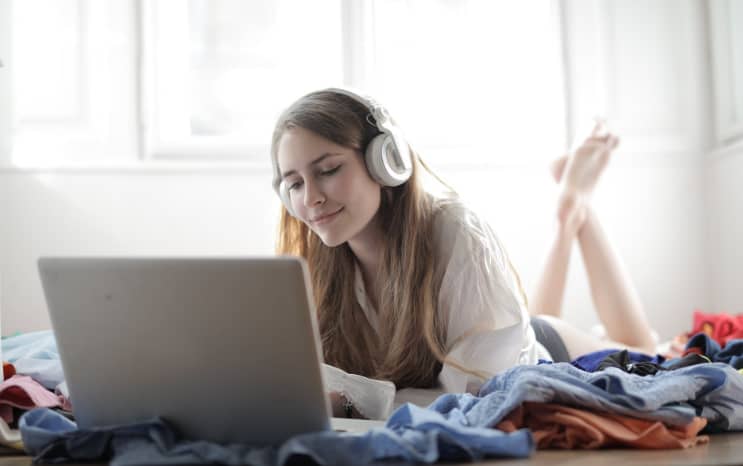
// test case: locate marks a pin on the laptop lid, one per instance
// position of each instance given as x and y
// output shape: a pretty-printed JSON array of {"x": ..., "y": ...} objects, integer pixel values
[{"x": 225, "y": 349}]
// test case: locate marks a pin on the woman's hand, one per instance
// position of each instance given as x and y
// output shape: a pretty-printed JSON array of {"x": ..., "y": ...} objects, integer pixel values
[{"x": 338, "y": 405}]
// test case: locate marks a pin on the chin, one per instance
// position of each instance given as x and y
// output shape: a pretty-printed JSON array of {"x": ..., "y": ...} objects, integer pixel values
[{"x": 331, "y": 242}]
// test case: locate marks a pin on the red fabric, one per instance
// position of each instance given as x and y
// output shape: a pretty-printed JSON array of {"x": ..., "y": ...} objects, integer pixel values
[
  {"x": 693, "y": 350},
  {"x": 24, "y": 392},
  {"x": 720, "y": 327},
  {"x": 8, "y": 370},
  {"x": 563, "y": 427}
]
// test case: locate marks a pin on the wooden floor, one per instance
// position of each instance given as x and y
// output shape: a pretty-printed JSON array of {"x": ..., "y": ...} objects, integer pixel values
[{"x": 723, "y": 449}]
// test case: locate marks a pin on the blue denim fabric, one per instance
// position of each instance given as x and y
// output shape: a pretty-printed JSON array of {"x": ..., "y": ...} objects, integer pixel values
[
  {"x": 412, "y": 434},
  {"x": 456, "y": 427},
  {"x": 731, "y": 354},
  {"x": 713, "y": 391}
]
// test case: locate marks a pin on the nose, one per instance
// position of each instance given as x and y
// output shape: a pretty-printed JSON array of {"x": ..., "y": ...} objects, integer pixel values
[{"x": 313, "y": 195}]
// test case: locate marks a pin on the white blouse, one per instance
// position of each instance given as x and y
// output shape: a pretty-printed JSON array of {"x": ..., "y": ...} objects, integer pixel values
[{"x": 488, "y": 326}]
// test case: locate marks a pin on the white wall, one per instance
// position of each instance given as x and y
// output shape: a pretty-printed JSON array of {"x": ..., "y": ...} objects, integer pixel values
[
  {"x": 139, "y": 213},
  {"x": 652, "y": 83},
  {"x": 651, "y": 207}
]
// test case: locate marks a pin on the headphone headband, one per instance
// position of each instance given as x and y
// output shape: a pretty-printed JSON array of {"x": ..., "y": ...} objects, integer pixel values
[{"x": 380, "y": 114}]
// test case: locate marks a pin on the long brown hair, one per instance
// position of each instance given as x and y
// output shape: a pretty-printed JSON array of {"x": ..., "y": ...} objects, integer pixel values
[{"x": 410, "y": 346}]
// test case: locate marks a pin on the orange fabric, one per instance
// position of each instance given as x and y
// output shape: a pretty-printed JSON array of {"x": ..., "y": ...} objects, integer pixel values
[{"x": 563, "y": 427}]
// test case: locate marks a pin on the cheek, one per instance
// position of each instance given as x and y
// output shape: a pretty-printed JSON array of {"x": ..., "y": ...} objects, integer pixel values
[
  {"x": 342, "y": 188},
  {"x": 301, "y": 211},
  {"x": 368, "y": 196}
]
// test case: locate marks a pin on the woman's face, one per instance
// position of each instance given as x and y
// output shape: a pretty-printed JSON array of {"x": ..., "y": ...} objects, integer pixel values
[{"x": 329, "y": 187}]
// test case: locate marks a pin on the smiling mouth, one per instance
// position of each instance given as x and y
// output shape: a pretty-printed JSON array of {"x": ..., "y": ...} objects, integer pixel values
[{"x": 326, "y": 218}]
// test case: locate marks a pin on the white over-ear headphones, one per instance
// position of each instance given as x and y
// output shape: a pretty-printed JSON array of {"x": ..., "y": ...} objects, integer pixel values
[{"x": 387, "y": 156}]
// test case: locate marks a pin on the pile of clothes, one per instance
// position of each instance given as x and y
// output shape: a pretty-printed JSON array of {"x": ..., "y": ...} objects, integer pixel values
[
  {"x": 604, "y": 399},
  {"x": 32, "y": 379},
  {"x": 720, "y": 328}
]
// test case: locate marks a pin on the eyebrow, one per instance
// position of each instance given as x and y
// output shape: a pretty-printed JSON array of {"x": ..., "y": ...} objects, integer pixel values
[{"x": 314, "y": 162}]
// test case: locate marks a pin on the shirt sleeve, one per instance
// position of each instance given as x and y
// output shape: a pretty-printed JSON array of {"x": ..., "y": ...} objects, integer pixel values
[
  {"x": 372, "y": 398},
  {"x": 482, "y": 304}
]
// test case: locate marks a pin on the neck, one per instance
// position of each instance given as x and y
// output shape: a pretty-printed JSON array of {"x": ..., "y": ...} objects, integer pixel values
[{"x": 367, "y": 247}]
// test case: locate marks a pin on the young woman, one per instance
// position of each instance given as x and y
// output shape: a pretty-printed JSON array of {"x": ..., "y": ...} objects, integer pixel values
[{"x": 416, "y": 289}]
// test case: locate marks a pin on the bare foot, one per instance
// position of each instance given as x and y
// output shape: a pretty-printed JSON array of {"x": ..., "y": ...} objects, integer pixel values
[
  {"x": 557, "y": 167},
  {"x": 578, "y": 174}
]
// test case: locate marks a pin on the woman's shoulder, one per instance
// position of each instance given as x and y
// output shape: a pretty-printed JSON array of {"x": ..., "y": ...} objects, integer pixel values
[
  {"x": 464, "y": 241},
  {"x": 454, "y": 220}
]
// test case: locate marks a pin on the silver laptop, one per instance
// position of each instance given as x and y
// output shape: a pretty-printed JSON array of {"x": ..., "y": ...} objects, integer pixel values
[{"x": 227, "y": 350}]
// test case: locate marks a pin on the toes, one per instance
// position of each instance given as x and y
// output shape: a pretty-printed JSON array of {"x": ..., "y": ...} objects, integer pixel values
[
  {"x": 611, "y": 141},
  {"x": 558, "y": 167},
  {"x": 599, "y": 128}
]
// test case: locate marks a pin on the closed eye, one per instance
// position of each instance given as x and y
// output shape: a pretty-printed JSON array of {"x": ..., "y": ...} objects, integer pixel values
[{"x": 331, "y": 171}]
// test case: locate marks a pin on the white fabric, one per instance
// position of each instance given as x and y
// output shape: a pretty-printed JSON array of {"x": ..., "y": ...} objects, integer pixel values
[
  {"x": 372, "y": 398},
  {"x": 488, "y": 327},
  {"x": 481, "y": 301}
]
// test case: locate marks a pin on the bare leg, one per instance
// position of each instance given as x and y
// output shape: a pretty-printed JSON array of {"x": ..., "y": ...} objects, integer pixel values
[
  {"x": 547, "y": 298},
  {"x": 616, "y": 300},
  {"x": 579, "y": 342}
]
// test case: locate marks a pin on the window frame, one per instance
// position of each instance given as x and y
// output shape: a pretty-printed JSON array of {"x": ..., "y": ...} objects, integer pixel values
[
  {"x": 105, "y": 130},
  {"x": 727, "y": 80},
  {"x": 149, "y": 147},
  {"x": 158, "y": 116}
]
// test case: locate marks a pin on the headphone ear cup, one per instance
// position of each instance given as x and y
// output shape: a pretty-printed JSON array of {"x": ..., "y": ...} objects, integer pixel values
[
  {"x": 285, "y": 199},
  {"x": 383, "y": 162},
  {"x": 373, "y": 159}
]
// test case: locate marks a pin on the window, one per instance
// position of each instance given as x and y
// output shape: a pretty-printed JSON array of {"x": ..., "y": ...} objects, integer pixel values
[
  {"x": 472, "y": 80},
  {"x": 221, "y": 71},
  {"x": 206, "y": 79},
  {"x": 726, "y": 29},
  {"x": 74, "y": 85}
]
